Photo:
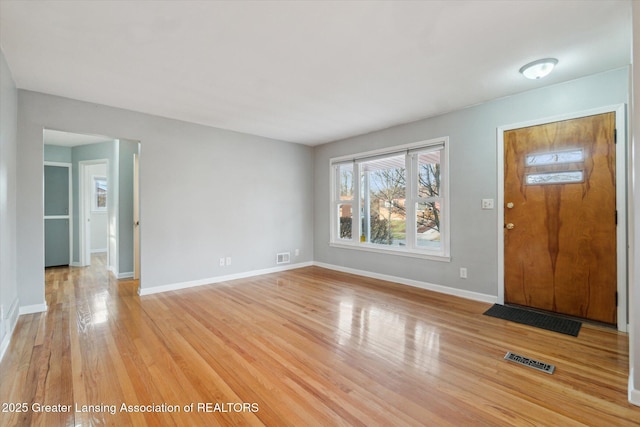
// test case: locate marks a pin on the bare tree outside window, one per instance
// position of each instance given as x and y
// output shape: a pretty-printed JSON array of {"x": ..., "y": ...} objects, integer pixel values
[{"x": 394, "y": 200}]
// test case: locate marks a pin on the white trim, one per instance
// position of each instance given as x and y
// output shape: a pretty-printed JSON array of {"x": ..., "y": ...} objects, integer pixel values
[
  {"x": 99, "y": 251},
  {"x": 126, "y": 275},
  {"x": 6, "y": 340},
  {"x": 389, "y": 251},
  {"x": 111, "y": 269},
  {"x": 415, "y": 283},
  {"x": 69, "y": 209},
  {"x": 12, "y": 321},
  {"x": 35, "y": 308},
  {"x": 621, "y": 197},
  {"x": 13, "y": 312},
  {"x": 634, "y": 393},
  {"x": 411, "y": 249},
  {"x": 75, "y": 264},
  {"x": 60, "y": 164},
  {"x": 396, "y": 149},
  {"x": 211, "y": 280}
]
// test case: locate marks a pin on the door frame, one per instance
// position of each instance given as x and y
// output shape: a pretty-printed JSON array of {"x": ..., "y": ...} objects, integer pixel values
[
  {"x": 136, "y": 215},
  {"x": 621, "y": 198},
  {"x": 68, "y": 217},
  {"x": 84, "y": 209}
]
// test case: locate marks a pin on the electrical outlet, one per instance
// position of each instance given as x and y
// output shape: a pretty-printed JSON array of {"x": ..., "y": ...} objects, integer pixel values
[
  {"x": 222, "y": 262},
  {"x": 297, "y": 252},
  {"x": 463, "y": 273},
  {"x": 487, "y": 203},
  {"x": 228, "y": 260}
]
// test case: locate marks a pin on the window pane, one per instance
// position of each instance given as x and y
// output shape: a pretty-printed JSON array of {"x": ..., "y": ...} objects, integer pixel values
[
  {"x": 100, "y": 193},
  {"x": 383, "y": 199},
  {"x": 346, "y": 221},
  {"x": 345, "y": 176},
  {"x": 429, "y": 174},
  {"x": 428, "y": 224}
]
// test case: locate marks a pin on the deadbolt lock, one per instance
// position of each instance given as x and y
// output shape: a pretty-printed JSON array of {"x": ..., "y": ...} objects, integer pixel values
[
  {"x": 510, "y": 205},
  {"x": 509, "y": 226}
]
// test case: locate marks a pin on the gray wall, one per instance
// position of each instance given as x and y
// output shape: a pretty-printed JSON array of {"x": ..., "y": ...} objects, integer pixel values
[
  {"x": 8, "y": 149},
  {"x": 473, "y": 165},
  {"x": 206, "y": 193},
  {"x": 55, "y": 153}
]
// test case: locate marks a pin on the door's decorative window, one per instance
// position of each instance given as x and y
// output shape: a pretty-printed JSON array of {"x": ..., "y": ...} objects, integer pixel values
[
  {"x": 555, "y": 158},
  {"x": 554, "y": 178}
]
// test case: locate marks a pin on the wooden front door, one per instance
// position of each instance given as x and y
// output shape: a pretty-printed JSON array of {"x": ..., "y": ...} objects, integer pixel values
[{"x": 560, "y": 217}]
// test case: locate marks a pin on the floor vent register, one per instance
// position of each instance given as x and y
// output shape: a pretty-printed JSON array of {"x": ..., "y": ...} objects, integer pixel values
[{"x": 532, "y": 363}]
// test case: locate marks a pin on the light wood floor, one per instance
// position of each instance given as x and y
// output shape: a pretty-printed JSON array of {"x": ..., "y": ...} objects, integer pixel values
[{"x": 309, "y": 347}]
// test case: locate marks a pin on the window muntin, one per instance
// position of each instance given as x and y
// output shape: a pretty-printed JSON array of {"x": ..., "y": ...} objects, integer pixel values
[{"x": 401, "y": 199}]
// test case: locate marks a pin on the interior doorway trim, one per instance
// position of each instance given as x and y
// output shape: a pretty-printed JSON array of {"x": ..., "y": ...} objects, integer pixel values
[
  {"x": 84, "y": 209},
  {"x": 621, "y": 198}
]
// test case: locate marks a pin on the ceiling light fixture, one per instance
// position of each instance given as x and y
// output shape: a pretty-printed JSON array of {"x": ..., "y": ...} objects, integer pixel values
[{"x": 538, "y": 69}]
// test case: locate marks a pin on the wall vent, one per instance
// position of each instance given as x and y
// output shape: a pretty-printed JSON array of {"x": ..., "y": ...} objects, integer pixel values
[{"x": 283, "y": 258}]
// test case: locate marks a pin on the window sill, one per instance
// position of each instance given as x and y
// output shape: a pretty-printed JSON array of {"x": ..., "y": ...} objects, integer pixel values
[{"x": 389, "y": 251}]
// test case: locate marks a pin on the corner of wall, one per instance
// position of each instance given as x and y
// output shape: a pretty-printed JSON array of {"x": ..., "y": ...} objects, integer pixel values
[
  {"x": 31, "y": 309},
  {"x": 634, "y": 393},
  {"x": 8, "y": 324}
]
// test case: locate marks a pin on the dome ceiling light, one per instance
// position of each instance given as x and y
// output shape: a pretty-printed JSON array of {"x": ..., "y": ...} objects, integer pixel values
[{"x": 538, "y": 69}]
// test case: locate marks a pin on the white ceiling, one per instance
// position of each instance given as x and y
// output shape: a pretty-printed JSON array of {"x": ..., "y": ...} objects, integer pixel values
[
  {"x": 304, "y": 71},
  {"x": 65, "y": 139}
]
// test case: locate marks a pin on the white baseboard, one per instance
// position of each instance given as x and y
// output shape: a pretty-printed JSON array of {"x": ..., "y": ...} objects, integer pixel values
[
  {"x": 9, "y": 322},
  {"x": 634, "y": 393},
  {"x": 35, "y": 308},
  {"x": 6, "y": 340},
  {"x": 75, "y": 264},
  {"x": 211, "y": 280},
  {"x": 415, "y": 283}
]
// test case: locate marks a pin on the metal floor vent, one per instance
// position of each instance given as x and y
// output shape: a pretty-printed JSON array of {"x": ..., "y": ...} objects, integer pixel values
[{"x": 532, "y": 363}]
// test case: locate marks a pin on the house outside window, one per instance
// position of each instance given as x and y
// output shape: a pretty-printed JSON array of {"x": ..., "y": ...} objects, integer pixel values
[{"x": 393, "y": 200}]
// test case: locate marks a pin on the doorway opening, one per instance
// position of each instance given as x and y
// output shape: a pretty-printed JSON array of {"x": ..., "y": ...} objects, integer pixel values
[
  {"x": 102, "y": 191},
  {"x": 93, "y": 191}
]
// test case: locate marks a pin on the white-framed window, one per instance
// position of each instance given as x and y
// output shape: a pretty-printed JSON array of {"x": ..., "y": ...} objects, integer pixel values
[
  {"x": 99, "y": 193},
  {"x": 394, "y": 200}
]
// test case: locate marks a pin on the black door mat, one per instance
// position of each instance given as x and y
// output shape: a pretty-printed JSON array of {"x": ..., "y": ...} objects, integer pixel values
[{"x": 538, "y": 320}]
